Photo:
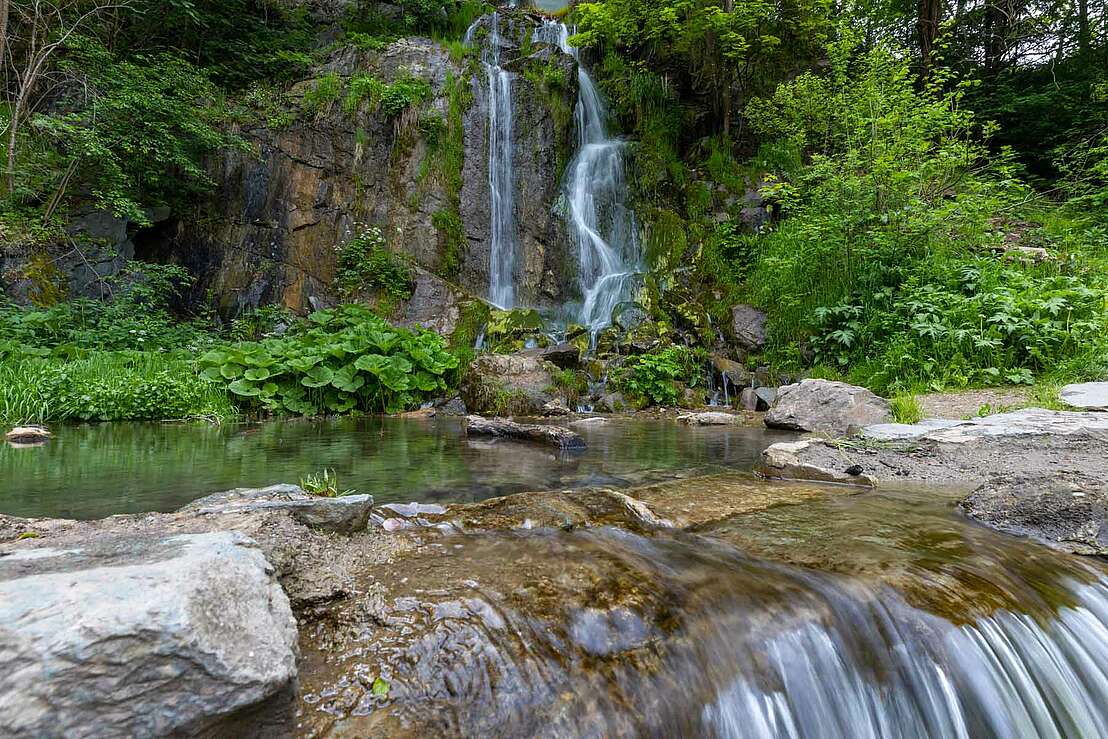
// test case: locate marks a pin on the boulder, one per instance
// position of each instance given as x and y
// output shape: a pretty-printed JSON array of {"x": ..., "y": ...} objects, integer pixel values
[
  {"x": 345, "y": 514},
  {"x": 612, "y": 403},
  {"x": 782, "y": 461},
  {"x": 562, "y": 438},
  {"x": 748, "y": 325},
  {"x": 826, "y": 407},
  {"x": 144, "y": 635},
  {"x": 29, "y": 435},
  {"x": 1065, "y": 509},
  {"x": 628, "y": 316},
  {"x": 507, "y": 385},
  {"x": 731, "y": 371},
  {"x": 757, "y": 399},
  {"x": 565, "y": 355},
  {"x": 709, "y": 418},
  {"x": 1090, "y": 396}
]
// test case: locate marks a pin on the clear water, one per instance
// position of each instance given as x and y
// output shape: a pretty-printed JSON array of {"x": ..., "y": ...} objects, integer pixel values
[
  {"x": 100, "y": 470},
  {"x": 600, "y": 220}
]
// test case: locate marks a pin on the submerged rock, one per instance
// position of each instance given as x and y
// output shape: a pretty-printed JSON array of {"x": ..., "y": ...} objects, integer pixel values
[
  {"x": 343, "y": 514},
  {"x": 141, "y": 635},
  {"x": 826, "y": 407},
  {"x": 562, "y": 438},
  {"x": 1066, "y": 510}
]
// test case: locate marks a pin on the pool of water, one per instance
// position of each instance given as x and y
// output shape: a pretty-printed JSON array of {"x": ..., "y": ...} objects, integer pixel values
[{"x": 92, "y": 471}]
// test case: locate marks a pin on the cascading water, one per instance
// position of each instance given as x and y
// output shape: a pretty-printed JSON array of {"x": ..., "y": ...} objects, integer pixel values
[
  {"x": 596, "y": 193},
  {"x": 502, "y": 226}
]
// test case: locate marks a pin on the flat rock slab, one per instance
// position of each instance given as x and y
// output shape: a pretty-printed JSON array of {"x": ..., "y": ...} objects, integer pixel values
[
  {"x": 1091, "y": 396},
  {"x": 558, "y": 436},
  {"x": 1029, "y": 421},
  {"x": 143, "y": 635},
  {"x": 345, "y": 514}
]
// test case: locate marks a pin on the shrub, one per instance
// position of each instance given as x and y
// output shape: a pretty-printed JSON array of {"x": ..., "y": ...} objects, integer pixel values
[
  {"x": 366, "y": 262},
  {"x": 337, "y": 361},
  {"x": 655, "y": 376}
]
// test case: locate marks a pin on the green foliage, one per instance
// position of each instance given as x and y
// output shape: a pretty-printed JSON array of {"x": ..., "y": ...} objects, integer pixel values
[
  {"x": 140, "y": 137},
  {"x": 655, "y": 376},
  {"x": 339, "y": 360},
  {"x": 324, "y": 485},
  {"x": 365, "y": 262},
  {"x": 107, "y": 386},
  {"x": 906, "y": 409},
  {"x": 390, "y": 99},
  {"x": 253, "y": 323},
  {"x": 135, "y": 318},
  {"x": 324, "y": 93}
]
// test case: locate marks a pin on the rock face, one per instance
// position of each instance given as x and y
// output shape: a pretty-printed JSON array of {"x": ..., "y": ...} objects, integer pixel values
[
  {"x": 507, "y": 384},
  {"x": 144, "y": 636},
  {"x": 271, "y": 232},
  {"x": 562, "y": 438},
  {"x": 345, "y": 514},
  {"x": 826, "y": 407},
  {"x": 748, "y": 325},
  {"x": 1092, "y": 396},
  {"x": 1066, "y": 510}
]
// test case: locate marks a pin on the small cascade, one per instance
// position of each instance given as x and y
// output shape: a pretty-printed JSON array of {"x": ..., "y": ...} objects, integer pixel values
[
  {"x": 596, "y": 192},
  {"x": 503, "y": 239}
]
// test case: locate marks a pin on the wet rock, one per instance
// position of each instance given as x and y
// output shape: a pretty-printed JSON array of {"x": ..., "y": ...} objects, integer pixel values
[
  {"x": 612, "y": 403},
  {"x": 507, "y": 384},
  {"x": 710, "y": 418},
  {"x": 1064, "y": 509},
  {"x": 735, "y": 373},
  {"x": 453, "y": 407},
  {"x": 29, "y": 435},
  {"x": 144, "y": 636},
  {"x": 1092, "y": 396},
  {"x": 556, "y": 407},
  {"x": 782, "y": 461},
  {"x": 826, "y": 407},
  {"x": 757, "y": 398},
  {"x": 562, "y": 438},
  {"x": 748, "y": 325},
  {"x": 565, "y": 356},
  {"x": 629, "y": 316},
  {"x": 344, "y": 514}
]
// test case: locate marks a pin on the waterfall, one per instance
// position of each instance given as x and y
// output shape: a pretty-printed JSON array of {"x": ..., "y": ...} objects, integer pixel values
[
  {"x": 502, "y": 227},
  {"x": 596, "y": 193}
]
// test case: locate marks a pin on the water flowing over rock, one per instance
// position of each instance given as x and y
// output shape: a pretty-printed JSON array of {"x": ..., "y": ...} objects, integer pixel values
[
  {"x": 600, "y": 219},
  {"x": 144, "y": 636},
  {"x": 502, "y": 226}
]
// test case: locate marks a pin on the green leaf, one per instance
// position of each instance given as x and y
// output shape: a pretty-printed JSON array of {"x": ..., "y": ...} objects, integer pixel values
[
  {"x": 257, "y": 373},
  {"x": 242, "y": 387},
  {"x": 317, "y": 377},
  {"x": 230, "y": 371}
]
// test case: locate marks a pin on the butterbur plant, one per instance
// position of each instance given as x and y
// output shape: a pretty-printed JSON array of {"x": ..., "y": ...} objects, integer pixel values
[{"x": 339, "y": 360}]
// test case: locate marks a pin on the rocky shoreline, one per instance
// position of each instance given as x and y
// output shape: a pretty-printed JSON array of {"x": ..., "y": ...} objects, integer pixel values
[{"x": 271, "y": 612}]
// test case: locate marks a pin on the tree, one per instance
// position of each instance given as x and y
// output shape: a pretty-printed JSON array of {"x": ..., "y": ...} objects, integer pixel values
[{"x": 40, "y": 30}]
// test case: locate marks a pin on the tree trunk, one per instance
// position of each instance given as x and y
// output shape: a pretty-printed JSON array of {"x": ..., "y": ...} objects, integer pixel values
[
  {"x": 3, "y": 33},
  {"x": 1084, "y": 37},
  {"x": 928, "y": 20}
]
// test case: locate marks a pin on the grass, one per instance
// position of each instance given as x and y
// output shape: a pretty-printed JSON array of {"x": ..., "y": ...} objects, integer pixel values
[
  {"x": 324, "y": 485},
  {"x": 906, "y": 409},
  {"x": 108, "y": 386}
]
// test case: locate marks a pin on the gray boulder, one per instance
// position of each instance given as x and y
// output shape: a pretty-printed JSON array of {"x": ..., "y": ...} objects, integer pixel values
[
  {"x": 144, "y": 636},
  {"x": 709, "y": 418},
  {"x": 1091, "y": 396},
  {"x": 748, "y": 325},
  {"x": 345, "y": 514},
  {"x": 507, "y": 385},
  {"x": 826, "y": 407}
]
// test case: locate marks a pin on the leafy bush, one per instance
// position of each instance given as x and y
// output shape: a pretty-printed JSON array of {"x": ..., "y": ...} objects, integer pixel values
[
  {"x": 339, "y": 360},
  {"x": 655, "y": 376},
  {"x": 107, "y": 386},
  {"x": 366, "y": 262},
  {"x": 391, "y": 99}
]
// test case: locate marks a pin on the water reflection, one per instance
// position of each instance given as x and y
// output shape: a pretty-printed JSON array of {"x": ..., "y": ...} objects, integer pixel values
[{"x": 99, "y": 470}]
